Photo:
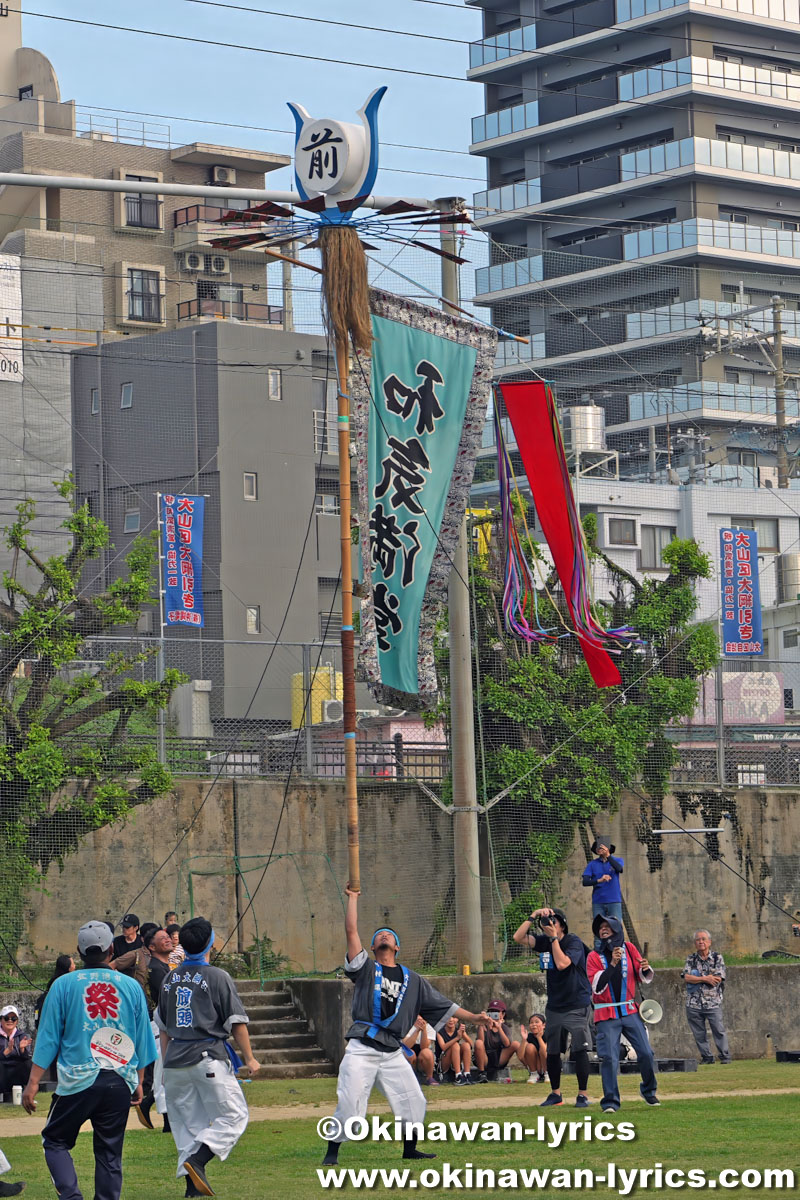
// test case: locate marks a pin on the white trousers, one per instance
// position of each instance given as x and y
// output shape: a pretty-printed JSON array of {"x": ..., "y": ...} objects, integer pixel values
[
  {"x": 206, "y": 1107},
  {"x": 5, "y": 1165},
  {"x": 159, "y": 1095},
  {"x": 362, "y": 1068}
]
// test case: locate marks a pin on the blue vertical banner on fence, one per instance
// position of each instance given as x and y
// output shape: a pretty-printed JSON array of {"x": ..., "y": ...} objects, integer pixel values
[
  {"x": 182, "y": 530},
  {"x": 419, "y": 414},
  {"x": 740, "y": 599}
]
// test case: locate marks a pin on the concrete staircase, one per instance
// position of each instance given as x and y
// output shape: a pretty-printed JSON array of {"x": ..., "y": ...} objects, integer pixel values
[{"x": 279, "y": 1035}]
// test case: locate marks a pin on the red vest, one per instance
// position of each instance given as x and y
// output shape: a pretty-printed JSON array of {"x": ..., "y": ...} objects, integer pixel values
[{"x": 595, "y": 966}]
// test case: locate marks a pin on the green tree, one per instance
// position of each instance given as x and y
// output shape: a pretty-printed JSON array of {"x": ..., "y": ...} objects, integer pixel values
[
  {"x": 563, "y": 747},
  {"x": 66, "y": 766}
]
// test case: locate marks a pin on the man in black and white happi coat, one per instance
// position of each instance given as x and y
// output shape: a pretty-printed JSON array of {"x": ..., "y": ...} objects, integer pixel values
[
  {"x": 386, "y": 1000},
  {"x": 198, "y": 1010}
]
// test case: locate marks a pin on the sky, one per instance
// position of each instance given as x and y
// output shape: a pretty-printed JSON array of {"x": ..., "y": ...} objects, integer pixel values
[{"x": 424, "y": 121}]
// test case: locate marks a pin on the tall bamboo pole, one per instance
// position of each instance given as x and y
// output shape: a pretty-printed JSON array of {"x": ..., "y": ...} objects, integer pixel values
[{"x": 348, "y": 653}]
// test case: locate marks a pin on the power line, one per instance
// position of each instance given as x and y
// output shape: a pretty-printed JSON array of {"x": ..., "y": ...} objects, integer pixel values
[{"x": 332, "y": 61}]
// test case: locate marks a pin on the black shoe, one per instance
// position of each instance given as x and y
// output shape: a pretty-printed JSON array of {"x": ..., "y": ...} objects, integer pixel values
[
  {"x": 410, "y": 1150},
  {"x": 332, "y": 1156},
  {"x": 191, "y": 1190},
  {"x": 653, "y": 1101},
  {"x": 12, "y": 1189},
  {"x": 167, "y": 1128},
  {"x": 197, "y": 1174},
  {"x": 706, "y": 1062},
  {"x": 552, "y": 1100},
  {"x": 143, "y": 1111}
]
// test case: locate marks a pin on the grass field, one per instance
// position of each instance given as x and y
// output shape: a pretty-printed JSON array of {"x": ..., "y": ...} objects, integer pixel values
[{"x": 280, "y": 1152}]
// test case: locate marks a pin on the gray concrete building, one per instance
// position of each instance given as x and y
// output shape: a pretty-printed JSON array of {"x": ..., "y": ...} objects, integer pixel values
[
  {"x": 246, "y": 417},
  {"x": 643, "y": 184}
]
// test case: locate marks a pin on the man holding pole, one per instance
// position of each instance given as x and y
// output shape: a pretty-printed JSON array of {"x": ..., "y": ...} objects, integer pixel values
[{"x": 386, "y": 1000}]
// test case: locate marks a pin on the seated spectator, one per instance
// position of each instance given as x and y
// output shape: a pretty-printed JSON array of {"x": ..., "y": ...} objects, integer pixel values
[
  {"x": 494, "y": 1048},
  {"x": 15, "y": 1050},
  {"x": 417, "y": 1046},
  {"x": 64, "y": 964},
  {"x": 532, "y": 1051},
  {"x": 455, "y": 1051},
  {"x": 129, "y": 939},
  {"x": 176, "y": 956}
]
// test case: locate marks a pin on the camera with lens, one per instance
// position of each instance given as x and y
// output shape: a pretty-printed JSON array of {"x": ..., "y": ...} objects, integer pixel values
[{"x": 546, "y": 921}]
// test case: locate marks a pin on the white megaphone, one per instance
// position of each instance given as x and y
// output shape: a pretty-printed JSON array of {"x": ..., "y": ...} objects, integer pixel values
[{"x": 651, "y": 1011}]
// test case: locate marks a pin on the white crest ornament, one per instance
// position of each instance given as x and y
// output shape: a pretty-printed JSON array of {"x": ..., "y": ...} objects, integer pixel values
[{"x": 336, "y": 162}]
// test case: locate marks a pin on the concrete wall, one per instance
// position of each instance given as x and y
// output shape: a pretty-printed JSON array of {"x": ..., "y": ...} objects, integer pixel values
[
  {"x": 761, "y": 1005},
  {"x": 406, "y": 855},
  {"x": 299, "y": 902}
]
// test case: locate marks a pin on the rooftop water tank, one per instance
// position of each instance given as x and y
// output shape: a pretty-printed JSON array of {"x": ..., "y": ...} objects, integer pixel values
[{"x": 584, "y": 428}]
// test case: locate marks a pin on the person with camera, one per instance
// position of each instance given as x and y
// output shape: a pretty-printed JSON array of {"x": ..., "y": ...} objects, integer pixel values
[
  {"x": 614, "y": 970},
  {"x": 569, "y": 997}
]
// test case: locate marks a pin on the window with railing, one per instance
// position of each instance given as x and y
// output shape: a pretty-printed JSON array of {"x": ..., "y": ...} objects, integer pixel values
[
  {"x": 774, "y": 10},
  {"x": 144, "y": 295},
  {"x": 689, "y": 313},
  {"x": 502, "y": 45},
  {"x": 505, "y": 121},
  {"x": 703, "y": 395},
  {"x": 505, "y": 199},
  {"x": 709, "y": 72},
  {"x": 142, "y": 211},
  {"x": 731, "y": 156},
  {"x": 703, "y": 231}
]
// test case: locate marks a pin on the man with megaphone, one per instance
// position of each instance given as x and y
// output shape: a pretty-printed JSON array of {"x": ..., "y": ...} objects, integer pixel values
[{"x": 614, "y": 971}]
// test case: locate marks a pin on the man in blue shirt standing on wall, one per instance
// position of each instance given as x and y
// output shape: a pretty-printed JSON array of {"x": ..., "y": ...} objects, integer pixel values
[
  {"x": 602, "y": 876},
  {"x": 94, "y": 1024}
]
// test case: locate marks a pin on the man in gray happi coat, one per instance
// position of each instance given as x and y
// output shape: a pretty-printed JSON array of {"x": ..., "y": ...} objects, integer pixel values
[
  {"x": 198, "y": 1010},
  {"x": 387, "y": 999}
]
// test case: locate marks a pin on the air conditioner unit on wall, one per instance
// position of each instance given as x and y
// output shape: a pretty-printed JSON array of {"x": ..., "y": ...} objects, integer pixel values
[
  {"x": 192, "y": 261},
  {"x": 225, "y": 176},
  {"x": 332, "y": 710},
  {"x": 218, "y": 264}
]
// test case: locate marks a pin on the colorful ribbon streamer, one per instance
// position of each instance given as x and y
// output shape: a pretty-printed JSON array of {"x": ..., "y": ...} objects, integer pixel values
[{"x": 532, "y": 411}]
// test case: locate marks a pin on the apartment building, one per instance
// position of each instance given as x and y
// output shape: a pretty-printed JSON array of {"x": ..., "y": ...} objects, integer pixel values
[
  {"x": 643, "y": 186},
  {"x": 80, "y": 267}
]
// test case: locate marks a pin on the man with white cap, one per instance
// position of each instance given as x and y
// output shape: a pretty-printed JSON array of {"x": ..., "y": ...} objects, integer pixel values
[
  {"x": 198, "y": 1010},
  {"x": 94, "y": 1025}
]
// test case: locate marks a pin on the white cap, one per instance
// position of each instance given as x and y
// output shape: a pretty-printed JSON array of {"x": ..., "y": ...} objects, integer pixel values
[
  {"x": 94, "y": 935},
  {"x": 8, "y": 1010}
]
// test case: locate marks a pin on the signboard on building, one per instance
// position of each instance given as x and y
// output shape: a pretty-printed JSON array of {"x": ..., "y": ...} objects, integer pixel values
[
  {"x": 740, "y": 600},
  {"x": 10, "y": 318},
  {"x": 182, "y": 532}
]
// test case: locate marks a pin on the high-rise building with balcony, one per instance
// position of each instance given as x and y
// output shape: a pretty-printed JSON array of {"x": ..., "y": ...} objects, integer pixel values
[{"x": 643, "y": 187}]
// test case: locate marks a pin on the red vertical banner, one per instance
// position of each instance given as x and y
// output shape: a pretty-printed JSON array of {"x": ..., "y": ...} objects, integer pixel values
[{"x": 532, "y": 412}]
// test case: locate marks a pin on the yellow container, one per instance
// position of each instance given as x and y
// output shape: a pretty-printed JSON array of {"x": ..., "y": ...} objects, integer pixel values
[
  {"x": 465, "y": 969},
  {"x": 326, "y": 684}
]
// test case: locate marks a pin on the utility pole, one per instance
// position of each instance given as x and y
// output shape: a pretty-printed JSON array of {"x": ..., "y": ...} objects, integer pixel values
[
  {"x": 780, "y": 391},
  {"x": 466, "y": 857}
]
